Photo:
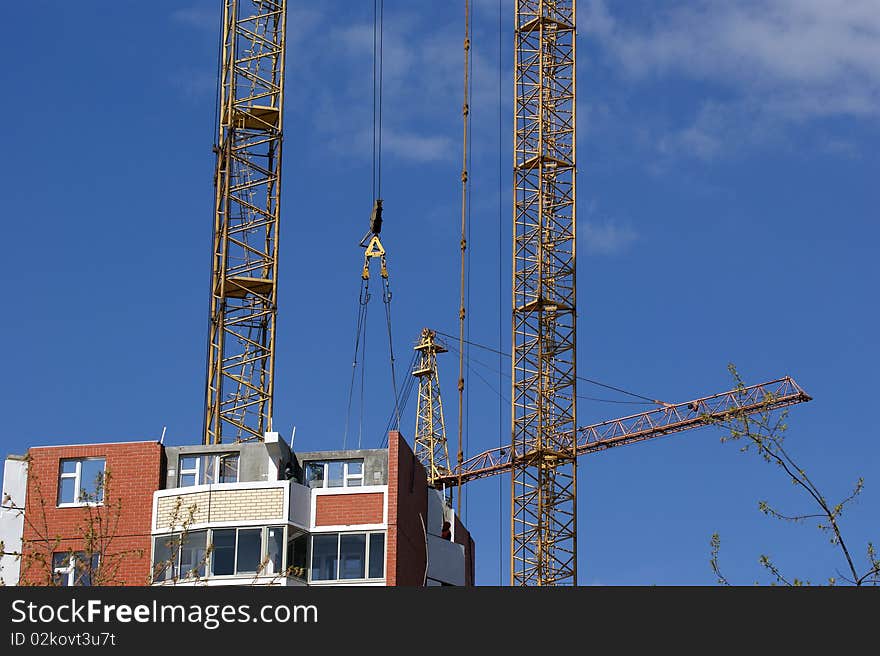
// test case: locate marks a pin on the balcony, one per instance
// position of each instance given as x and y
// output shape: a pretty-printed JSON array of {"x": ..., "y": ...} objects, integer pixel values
[{"x": 231, "y": 504}]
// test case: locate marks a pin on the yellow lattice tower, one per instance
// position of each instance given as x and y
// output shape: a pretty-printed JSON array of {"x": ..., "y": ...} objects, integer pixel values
[
  {"x": 543, "y": 484},
  {"x": 430, "y": 438},
  {"x": 247, "y": 180}
]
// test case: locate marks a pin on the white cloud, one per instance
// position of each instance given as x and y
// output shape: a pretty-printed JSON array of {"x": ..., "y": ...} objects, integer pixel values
[
  {"x": 606, "y": 237},
  {"x": 422, "y": 88},
  {"x": 193, "y": 83},
  {"x": 420, "y": 148},
  {"x": 201, "y": 18},
  {"x": 799, "y": 58}
]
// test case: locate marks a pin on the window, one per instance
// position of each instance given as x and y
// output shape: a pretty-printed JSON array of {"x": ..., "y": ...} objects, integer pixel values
[
  {"x": 179, "y": 556},
  {"x": 208, "y": 468},
  {"x": 247, "y": 551},
  {"x": 352, "y": 551},
  {"x": 274, "y": 561},
  {"x": 77, "y": 568},
  {"x": 81, "y": 481},
  {"x": 377, "y": 555},
  {"x": 297, "y": 554},
  {"x": 325, "y": 557},
  {"x": 335, "y": 473},
  {"x": 234, "y": 551},
  {"x": 348, "y": 556}
]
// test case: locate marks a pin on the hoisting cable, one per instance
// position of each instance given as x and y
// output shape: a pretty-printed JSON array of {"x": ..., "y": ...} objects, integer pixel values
[
  {"x": 505, "y": 374},
  {"x": 378, "y": 39},
  {"x": 363, "y": 372},
  {"x": 586, "y": 380},
  {"x": 376, "y": 222},
  {"x": 360, "y": 338},
  {"x": 386, "y": 298},
  {"x": 371, "y": 241},
  {"x": 465, "y": 114},
  {"x": 501, "y": 269},
  {"x": 403, "y": 397}
]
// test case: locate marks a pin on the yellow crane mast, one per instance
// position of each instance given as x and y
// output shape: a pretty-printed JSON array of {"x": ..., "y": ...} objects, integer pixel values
[
  {"x": 544, "y": 371},
  {"x": 430, "y": 437},
  {"x": 247, "y": 183}
]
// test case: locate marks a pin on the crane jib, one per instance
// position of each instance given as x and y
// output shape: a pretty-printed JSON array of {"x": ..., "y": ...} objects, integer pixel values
[{"x": 671, "y": 418}]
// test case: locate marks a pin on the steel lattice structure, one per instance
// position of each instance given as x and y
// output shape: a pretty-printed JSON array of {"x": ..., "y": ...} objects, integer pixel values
[
  {"x": 247, "y": 180},
  {"x": 430, "y": 438},
  {"x": 543, "y": 482},
  {"x": 665, "y": 420}
]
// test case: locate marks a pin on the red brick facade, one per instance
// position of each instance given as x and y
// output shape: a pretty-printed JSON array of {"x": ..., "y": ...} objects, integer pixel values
[
  {"x": 135, "y": 470},
  {"x": 407, "y": 509},
  {"x": 462, "y": 536},
  {"x": 345, "y": 509}
]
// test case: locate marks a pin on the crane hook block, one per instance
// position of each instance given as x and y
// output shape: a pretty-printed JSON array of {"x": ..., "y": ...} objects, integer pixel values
[
  {"x": 374, "y": 249},
  {"x": 376, "y": 217}
]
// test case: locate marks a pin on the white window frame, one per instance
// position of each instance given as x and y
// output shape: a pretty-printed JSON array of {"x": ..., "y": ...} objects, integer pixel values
[
  {"x": 209, "y": 541},
  {"x": 77, "y": 482},
  {"x": 367, "y": 541},
  {"x": 264, "y": 550},
  {"x": 70, "y": 570},
  {"x": 216, "y": 459},
  {"x": 186, "y": 472},
  {"x": 177, "y": 573},
  {"x": 346, "y": 476}
]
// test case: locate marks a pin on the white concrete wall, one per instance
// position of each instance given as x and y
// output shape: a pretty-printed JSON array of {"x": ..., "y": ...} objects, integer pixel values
[
  {"x": 300, "y": 505},
  {"x": 12, "y": 517}
]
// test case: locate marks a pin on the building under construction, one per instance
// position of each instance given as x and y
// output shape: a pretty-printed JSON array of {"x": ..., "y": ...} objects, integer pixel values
[
  {"x": 241, "y": 506},
  {"x": 137, "y": 513}
]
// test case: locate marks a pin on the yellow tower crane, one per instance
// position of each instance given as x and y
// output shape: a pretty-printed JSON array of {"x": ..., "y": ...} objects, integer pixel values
[
  {"x": 665, "y": 419},
  {"x": 247, "y": 184},
  {"x": 430, "y": 437},
  {"x": 545, "y": 438},
  {"x": 544, "y": 360}
]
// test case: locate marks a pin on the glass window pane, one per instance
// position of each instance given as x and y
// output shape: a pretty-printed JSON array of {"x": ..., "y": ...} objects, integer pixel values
[
  {"x": 249, "y": 546},
  {"x": 335, "y": 473},
  {"x": 68, "y": 466},
  {"x": 67, "y": 490},
  {"x": 92, "y": 480},
  {"x": 192, "y": 554},
  {"x": 61, "y": 568},
  {"x": 324, "y": 557},
  {"x": 228, "y": 469},
  {"x": 164, "y": 557},
  {"x": 377, "y": 555},
  {"x": 354, "y": 477},
  {"x": 315, "y": 474},
  {"x": 187, "y": 474},
  {"x": 296, "y": 555},
  {"x": 85, "y": 569},
  {"x": 206, "y": 469},
  {"x": 352, "y": 554},
  {"x": 274, "y": 550},
  {"x": 223, "y": 555}
]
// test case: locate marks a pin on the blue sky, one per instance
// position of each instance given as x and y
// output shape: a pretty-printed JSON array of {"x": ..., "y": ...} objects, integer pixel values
[{"x": 727, "y": 212}]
